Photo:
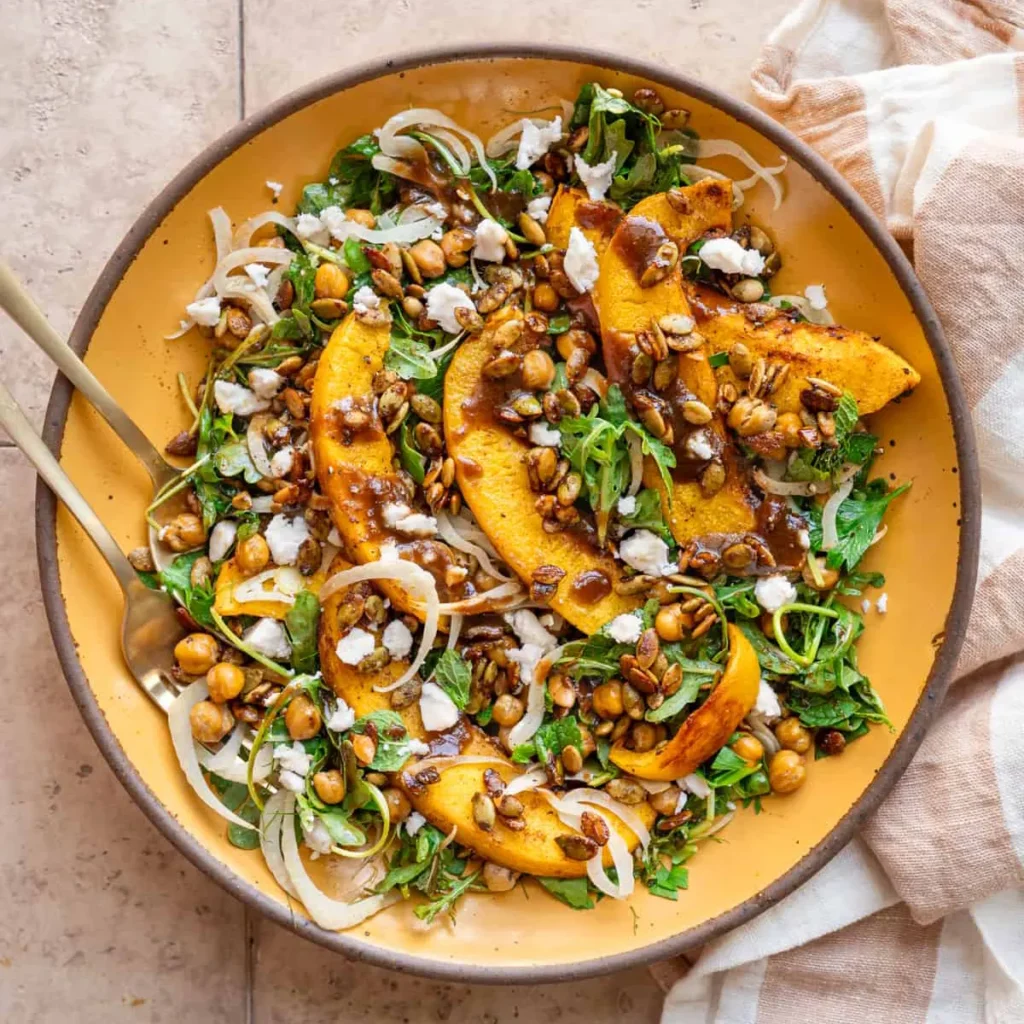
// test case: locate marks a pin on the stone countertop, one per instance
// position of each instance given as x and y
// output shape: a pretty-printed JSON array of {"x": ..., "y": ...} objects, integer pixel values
[{"x": 102, "y": 101}]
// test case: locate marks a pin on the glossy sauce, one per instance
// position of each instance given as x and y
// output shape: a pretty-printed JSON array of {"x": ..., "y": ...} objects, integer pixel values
[
  {"x": 595, "y": 216},
  {"x": 637, "y": 242},
  {"x": 590, "y": 586}
]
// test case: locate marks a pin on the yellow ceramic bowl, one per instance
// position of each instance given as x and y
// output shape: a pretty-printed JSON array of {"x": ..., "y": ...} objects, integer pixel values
[{"x": 826, "y": 235}]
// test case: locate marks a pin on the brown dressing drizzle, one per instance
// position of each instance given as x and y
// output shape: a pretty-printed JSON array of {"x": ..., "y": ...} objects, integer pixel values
[
  {"x": 596, "y": 216},
  {"x": 590, "y": 586},
  {"x": 637, "y": 241}
]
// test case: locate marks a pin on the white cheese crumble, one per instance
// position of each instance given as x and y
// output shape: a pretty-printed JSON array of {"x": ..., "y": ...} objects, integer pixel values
[
  {"x": 437, "y": 709},
  {"x": 581, "y": 266},
  {"x": 727, "y": 255},
  {"x": 544, "y": 435},
  {"x": 527, "y": 627},
  {"x": 414, "y": 823},
  {"x": 284, "y": 536},
  {"x": 291, "y": 781},
  {"x": 882, "y": 604},
  {"x": 397, "y": 639},
  {"x": 222, "y": 536},
  {"x": 205, "y": 312},
  {"x": 342, "y": 717},
  {"x": 265, "y": 383},
  {"x": 815, "y": 295},
  {"x": 281, "y": 463},
  {"x": 538, "y": 208},
  {"x": 275, "y": 186},
  {"x": 355, "y": 645},
  {"x": 309, "y": 228},
  {"x": 402, "y": 518},
  {"x": 698, "y": 444},
  {"x": 442, "y": 301},
  {"x": 233, "y": 398},
  {"x": 490, "y": 241},
  {"x": 536, "y": 140},
  {"x": 647, "y": 553},
  {"x": 419, "y": 748},
  {"x": 767, "y": 704},
  {"x": 597, "y": 179},
  {"x": 626, "y": 505},
  {"x": 334, "y": 538},
  {"x": 865, "y": 606},
  {"x": 625, "y": 629},
  {"x": 333, "y": 218},
  {"x": 268, "y": 637},
  {"x": 772, "y": 592},
  {"x": 316, "y": 837},
  {"x": 804, "y": 538},
  {"x": 527, "y": 658},
  {"x": 365, "y": 299},
  {"x": 258, "y": 274},
  {"x": 293, "y": 758}
]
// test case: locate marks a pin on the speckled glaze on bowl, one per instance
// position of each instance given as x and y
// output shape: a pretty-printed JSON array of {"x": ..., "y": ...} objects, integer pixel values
[{"x": 826, "y": 235}]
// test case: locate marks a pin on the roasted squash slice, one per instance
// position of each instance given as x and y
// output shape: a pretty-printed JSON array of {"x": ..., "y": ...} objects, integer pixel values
[
  {"x": 493, "y": 479},
  {"x": 626, "y": 308},
  {"x": 572, "y": 208},
  {"x": 708, "y": 729},
  {"x": 448, "y": 802},
  {"x": 230, "y": 576}
]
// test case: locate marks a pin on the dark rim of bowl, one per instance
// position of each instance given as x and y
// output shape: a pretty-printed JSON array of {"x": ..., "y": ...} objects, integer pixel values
[{"x": 948, "y": 643}]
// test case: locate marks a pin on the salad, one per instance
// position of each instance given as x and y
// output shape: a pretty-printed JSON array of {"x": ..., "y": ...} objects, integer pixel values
[{"x": 525, "y": 519}]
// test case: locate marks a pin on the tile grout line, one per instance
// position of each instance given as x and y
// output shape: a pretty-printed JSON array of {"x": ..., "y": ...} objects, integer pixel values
[{"x": 241, "y": 59}]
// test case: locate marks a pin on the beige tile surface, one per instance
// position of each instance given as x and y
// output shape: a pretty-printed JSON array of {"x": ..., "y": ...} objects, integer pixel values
[{"x": 102, "y": 101}]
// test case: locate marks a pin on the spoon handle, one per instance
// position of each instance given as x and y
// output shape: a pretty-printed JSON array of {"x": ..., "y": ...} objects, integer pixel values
[
  {"x": 14, "y": 421},
  {"x": 18, "y": 304}
]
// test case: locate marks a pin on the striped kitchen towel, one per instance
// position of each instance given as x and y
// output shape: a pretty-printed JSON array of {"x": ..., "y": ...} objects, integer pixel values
[{"x": 920, "y": 105}]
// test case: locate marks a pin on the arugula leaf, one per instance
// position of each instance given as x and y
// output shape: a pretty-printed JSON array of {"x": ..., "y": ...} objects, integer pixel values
[
  {"x": 768, "y": 655},
  {"x": 445, "y": 903},
  {"x": 686, "y": 694},
  {"x": 177, "y": 581},
  {"x": 302, "y": 274},
  {"x": 552, "y": 737},
  {"x": 453, "y": 675},
  {"x": 410, "y": 354},
  {"x": 728, "y": 768},
  {"x": 413, "y": 461},
  {"x": 340, "y": 826},
  {"x": 668, "y": 880},
  {"x": 356, "y": 260},
  {"x": 648, "y": 516},
  {"x": 573, "y": 892},
  {"x": 392, "y": 751},
  {"x": 737, "y": 596},
  {"x": 852, "y": 584},
  {"x": 352, "y": 181},
  {"x": 234, "y": 460},
  {"x": 301, "y": 622}
]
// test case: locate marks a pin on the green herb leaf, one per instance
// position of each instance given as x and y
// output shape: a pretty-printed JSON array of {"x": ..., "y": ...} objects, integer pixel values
[
  {"x": 686, "y": 694},
  {"x": 728, "y": 768},
  {"x": 717, "y": 359},
  {"x": 552, "y": 737},
  {"x": 413, "y": 461},
  {"x": 668, "y": 881},
  {"x": 573, "y": 892},
  {"x": 392, "y": 750},
  {"x": 858, "y": 521},
  {"x": 453, "y": 675},
  {"x": 648, "y": 516},
  {"x": 177, "y": 581},
  {"x": 301, "y": 621},
  {"x": 768, "y": 655}
]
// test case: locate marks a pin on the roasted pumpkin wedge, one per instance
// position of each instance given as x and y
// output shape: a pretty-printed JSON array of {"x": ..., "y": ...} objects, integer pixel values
[
  {"x": 627, "y": 308},
  {"x": 491, "y": 471},
  {"x": 447, "y": 803},
  {"x": 572, "y": 208},
  {"x": 708, "y": 729},
  {"x": 230, "y": 577}
]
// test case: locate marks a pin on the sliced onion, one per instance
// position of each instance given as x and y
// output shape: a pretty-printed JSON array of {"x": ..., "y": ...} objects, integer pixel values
[
  {"x": 829, "y": 530},
  {"x": 470, "y": 529},
  {"x": 445, "y": 761},
  {"x": 454, "y": 630},
  {"x": 331, "y": 914},
  {"x": 500, "y": 598},
  {"x": 409, "y": 575},
  {"x": 654, "y": 787},
  {"x": 243, "y": 236},
  {"x": 263, "y": 504},
  {"x": 794, "y": 488},
  {"x": 478, "y": 281},
  {"x": 623, "y": 862},
  {"x": 717, "y": 826},
  {"x": 287, "y": 582},
  {"x": 879, "y": 534},
  {"x": 185, "y": 747},
  {"x": 801, "y": 303},
  {"x": 221, "y": 223},
  {"x": 596, "y": 381},
  {"x": 238, "y": 258},
  {"x": 228, "y": 751},
  {"x": 759, "y": 728},
  {"x": 256, "y": 442},
  {"x": 238, "y": 770},
  {"x": 625, "y": 814},
  {"x": 533, "y": 779},
  {"x": 708, "y": 148},
  {"x": 454, "y": 537},
  {"x": 256, "y": 298},
  {"x": 401, "y": 234},
  {"x": 454, "y": 143},
  {"x": 271, "y": 824}
]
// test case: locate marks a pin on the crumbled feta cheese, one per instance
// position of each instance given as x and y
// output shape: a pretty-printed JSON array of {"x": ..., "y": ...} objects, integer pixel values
[
  {"x": 767, "y": 704},
  {"x": 284, "y": 537},
  {"x": 698, "y": 445},
  {"x": 865, "y": 606},
  {"x": 544, "y": 435},
  {"x": 419, "y": 748},
  {"x": 527, "y": 658},
  {"x": 815, "y": 295},
  {"x": 342, "y": 717},
  {"x": 681, "y": 802},
  {"x": 437, "y": 709},
  {"x": 316, "y": 837},
  {"x": 309, "y": 228},
  {"x": 292, "y": 782},
  {"x": 727, "y": 255},
  {"x": 581, "y": 266},
  {"x": 696, "y": 785},
  {"x": 205, "y": 312},
  {"x": 646, "y": 552},
  {"x": 222, "y": 536},
  {"x": 265, "y": 383},
  {"x": 625, "y": 629},
  {"x": 597, "y": 179},
  {"x": 490, "y": 241},
  {"x": 804, "y": 539},
  {"x": 882, "y": 604},
  {"x": 414, "y": 822},
  {"x": 268, "y": 637},
  {"x": 536, "y": 140},
  {"x": 538, "y": 208},
  {"x": 365, "y": 299},
  {"x": 338, "y": 225},
  {"x": 442, "y": 301},
  {"x": 281, "y": 463},
  {"x": 397, "y": 639},
  {"x": 527, "y": 627},
  {"x": 402, "y": 518},
  {"x": 334, "y": 538},
  {"x": 258, "y": 274},
  {"x": 355, "y": 645},
  {"x": 772, "y": 592},
  {"x": 235, "y": 399},
  {"x": 275, "y": 186},
  {"x": 626, "y": 505},
  {"x": 388, "y": 553},
  {"x": 293, "y": 758}
]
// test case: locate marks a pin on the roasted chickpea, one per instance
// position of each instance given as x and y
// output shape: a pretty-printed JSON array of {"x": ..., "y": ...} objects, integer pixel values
[
  {"x": 789, "y": 425},
  {"x": 184, "y": 532},
  {"x": 545, "y": 298},
  {"x": 330, "y": 786},
  {"x": 210, "y": 722},
  {"x": 668, "y": 623},
  {"x": 252, "y": 554},
  {"x": 363, "y": 217},
  {"x": 645, "y": 737},
  {"x": 748, "y": 747},
  {"x": 302, "y": 718},
  {"x": 793, "y": 736},
  {"x": 825, "y": 579},
  {"x": 562, "y": 693},
  {"x": 665, "y": 802},
  {"x": 456, "y": 245},
  {"x": 429, "y": 257},
  {"x": 607, "y": 699},
  {"x": 398, "y": 804},
  {"x": 331, "y": 282},
  {"x": 197, "y": 653},
  {"x": 786, "y": 771},
  {"x": 224, "y": 681},
  {"x": 497, "y": 878},
  {"x": 538, "y": 370},
  {"x": 508, "y": 710}
]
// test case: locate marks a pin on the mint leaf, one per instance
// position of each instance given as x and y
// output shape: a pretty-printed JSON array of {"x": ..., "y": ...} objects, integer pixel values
[
  {"x": 393, "y": 740},
  {"x": 453, "y": 675}
]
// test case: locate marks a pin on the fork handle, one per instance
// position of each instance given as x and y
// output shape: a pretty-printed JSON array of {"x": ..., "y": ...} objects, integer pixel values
[
  {"x": 29, "y": 317},
  {"x": 14, "y": 421}
]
